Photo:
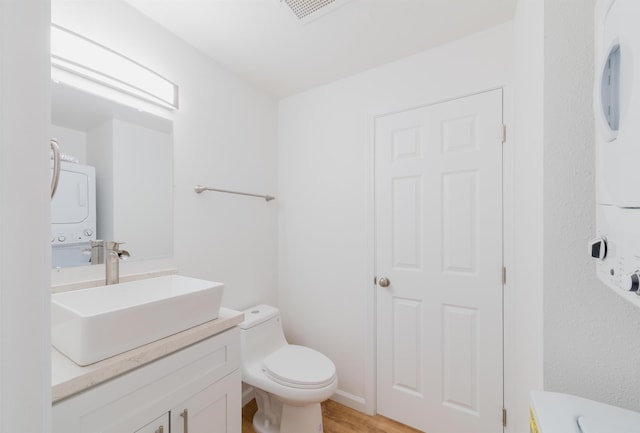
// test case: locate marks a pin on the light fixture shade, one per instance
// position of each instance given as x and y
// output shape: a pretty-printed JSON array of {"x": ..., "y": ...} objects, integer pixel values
[{"x": 82, "y": 57}]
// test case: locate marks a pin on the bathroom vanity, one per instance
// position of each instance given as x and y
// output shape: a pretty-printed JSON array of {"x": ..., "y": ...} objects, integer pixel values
[{"x": 189, "y": 382}]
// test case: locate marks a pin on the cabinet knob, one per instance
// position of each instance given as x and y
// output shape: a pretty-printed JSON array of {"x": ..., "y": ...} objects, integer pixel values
[{"x": 384, "y": 282}]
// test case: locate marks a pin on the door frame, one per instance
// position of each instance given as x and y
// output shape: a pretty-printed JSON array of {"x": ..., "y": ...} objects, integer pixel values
[{"x": 370, "y": 400}]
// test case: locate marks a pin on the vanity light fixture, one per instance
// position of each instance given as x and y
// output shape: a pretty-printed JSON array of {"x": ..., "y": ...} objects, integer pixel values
[{"x": 88, "y": 64}]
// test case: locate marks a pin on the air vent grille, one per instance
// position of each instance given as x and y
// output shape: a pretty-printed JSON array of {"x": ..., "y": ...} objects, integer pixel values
[{"x": 304, "y": 8}]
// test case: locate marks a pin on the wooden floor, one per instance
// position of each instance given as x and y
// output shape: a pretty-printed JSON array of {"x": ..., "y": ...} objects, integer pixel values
[{"x": 339, "y": 419}]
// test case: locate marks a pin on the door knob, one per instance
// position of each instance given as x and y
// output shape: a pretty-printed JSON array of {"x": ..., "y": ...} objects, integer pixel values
[{"x": 384, "y": 282}]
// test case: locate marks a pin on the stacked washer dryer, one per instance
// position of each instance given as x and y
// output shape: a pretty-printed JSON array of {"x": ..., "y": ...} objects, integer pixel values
[
  {"x": 73, "y": 215},
  {"x": 617, "y": 117}
]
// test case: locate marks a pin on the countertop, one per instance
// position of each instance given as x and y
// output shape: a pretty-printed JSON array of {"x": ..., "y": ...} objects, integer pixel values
[{"x": 68, "y": 378}]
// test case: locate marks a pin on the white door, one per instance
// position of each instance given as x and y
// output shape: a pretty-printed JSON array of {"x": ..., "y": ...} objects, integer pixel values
[{"x": 438, "y": 195}]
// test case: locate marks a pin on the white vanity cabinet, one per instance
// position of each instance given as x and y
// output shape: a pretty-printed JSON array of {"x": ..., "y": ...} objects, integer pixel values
[{"x": 194, "y": 390}]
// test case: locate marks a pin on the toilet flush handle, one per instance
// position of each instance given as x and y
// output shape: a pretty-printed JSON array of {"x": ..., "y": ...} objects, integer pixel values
[{"x": 384, "y": 282}]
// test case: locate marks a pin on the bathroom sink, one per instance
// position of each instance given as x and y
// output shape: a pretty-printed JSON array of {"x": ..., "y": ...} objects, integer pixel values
[{"x": 93, "y": 324}]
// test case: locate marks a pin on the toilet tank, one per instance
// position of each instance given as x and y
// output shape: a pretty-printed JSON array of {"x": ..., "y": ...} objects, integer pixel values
[{"x": 261, "y": 332}]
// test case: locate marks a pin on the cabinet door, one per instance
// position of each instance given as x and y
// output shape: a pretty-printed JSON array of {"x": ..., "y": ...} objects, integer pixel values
[
  {"x": 215, "y": 409},
  {"x": 158, "y": 425}
]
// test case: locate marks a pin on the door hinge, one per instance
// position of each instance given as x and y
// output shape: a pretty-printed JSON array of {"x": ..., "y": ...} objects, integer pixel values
[
  {"x": 504, "y": 133},
  {"x": 504, "y": 417},
  {"x": 504, "y": 275}
]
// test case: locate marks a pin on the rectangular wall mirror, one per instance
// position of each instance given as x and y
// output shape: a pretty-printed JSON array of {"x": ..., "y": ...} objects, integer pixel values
[{"x": 132, "y": 154}]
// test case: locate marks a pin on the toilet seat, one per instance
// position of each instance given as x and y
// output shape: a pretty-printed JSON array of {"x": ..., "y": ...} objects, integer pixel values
[{"x": 299, "y": 367}]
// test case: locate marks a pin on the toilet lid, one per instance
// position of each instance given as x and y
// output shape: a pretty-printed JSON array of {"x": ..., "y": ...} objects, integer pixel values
[{"x": 299, "y": 367}]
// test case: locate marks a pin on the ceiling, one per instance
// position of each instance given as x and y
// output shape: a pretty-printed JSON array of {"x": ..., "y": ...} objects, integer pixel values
[{"x": 264, "y": 42}]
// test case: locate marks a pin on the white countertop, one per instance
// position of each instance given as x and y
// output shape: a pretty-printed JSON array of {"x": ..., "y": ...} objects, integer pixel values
[{"x": 68, "y": 378}]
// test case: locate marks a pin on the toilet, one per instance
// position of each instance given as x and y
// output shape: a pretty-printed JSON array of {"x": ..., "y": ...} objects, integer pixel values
[{"x": 289, "y": 381}]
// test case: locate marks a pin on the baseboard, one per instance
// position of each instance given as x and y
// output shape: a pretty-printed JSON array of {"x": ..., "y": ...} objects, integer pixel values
[
  {"x": 247, "y": 395},
  {"x": 351, "y": 401}
]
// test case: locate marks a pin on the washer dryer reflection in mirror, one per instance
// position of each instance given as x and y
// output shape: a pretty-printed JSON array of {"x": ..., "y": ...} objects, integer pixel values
[{"x": 289, "y": 381}]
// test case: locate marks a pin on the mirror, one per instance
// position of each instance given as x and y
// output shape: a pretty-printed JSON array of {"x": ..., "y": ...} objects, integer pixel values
[{"x": 131, "y": 151}]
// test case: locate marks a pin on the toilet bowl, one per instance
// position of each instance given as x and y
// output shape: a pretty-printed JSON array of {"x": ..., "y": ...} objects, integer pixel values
[{"x": 289, "y": 381}]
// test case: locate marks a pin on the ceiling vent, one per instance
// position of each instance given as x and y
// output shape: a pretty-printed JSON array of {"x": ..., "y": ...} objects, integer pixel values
[{"x": 309, "y": 10}]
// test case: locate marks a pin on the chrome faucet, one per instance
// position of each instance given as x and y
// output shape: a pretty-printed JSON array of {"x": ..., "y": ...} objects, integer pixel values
[{"x": 112, "y": 262}]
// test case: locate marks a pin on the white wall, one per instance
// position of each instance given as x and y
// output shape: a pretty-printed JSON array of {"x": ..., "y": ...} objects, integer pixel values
[
  {"x": 224, "y": 137},
  {"x": 25, "y": 258},
  {"x": 523, "y": 291},
  {"x": 71, "y": 142},
  {"x": 143, "y": 181},
  {"x": 134, "y": 183},
  {"x": 100, "y": 153},
  {"x": 591, "y": 342},
  {"x": 325, "y": 247}
]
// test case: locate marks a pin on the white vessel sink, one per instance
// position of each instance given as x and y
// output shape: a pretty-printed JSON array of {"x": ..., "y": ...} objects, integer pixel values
[{"x": 90, "y": 325}]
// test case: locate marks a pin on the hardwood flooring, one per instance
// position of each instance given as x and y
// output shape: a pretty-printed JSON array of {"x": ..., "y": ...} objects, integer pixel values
[{"x": 339, "y": 419}]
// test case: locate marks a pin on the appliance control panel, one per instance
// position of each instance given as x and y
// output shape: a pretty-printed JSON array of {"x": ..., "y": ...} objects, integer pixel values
[
  {"x": 616, "y": 248},
  {"x": 73, "y": 236}
]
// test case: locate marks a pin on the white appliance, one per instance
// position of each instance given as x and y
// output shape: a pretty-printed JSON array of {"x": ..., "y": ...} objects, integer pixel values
[
  {"x": 73, "y": 215},
  {"x": 553, "y": 412},
  {"x": 617, "y": 110}
]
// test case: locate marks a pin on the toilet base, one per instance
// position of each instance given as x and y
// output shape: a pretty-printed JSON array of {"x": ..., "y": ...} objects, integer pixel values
[
  {"x": 262, "y": 425},
  {"x": 294, "y": 419},
  {"x": 301, "y": 419}
]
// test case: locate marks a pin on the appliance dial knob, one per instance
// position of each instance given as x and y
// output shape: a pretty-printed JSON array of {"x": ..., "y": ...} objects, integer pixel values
[
  {"x": 598, "y": 248},
  {"x": 633, "y": 282},
  {"x": 61, "y": 238}
]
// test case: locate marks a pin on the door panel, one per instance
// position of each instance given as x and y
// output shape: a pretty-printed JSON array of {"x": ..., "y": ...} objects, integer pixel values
[
  {"x": 438, "y": 207},
  {"x": 407, "y": 215},
  {"x": 407, "y": 351},
  {"x": 460, "y": 357}
]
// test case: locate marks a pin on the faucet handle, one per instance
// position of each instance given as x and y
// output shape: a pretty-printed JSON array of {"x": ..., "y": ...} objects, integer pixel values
[
  {"x": 112, "y": 245},
  {"x": 115, "y": 247}
]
